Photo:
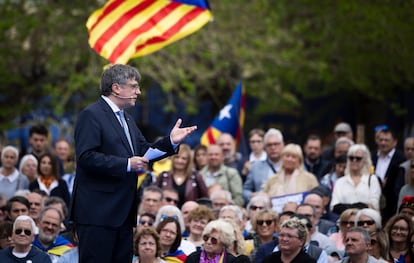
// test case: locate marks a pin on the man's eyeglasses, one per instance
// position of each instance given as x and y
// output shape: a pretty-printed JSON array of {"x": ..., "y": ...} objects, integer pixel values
[
  {"x": 169, "y": 200},
  {"x": 355, "y": 158},
  {"x": 262, "y": 222},
  {"x": 366, "y": 222},
  {"x": 213, "y": 240},
  {"x": 27, "y": 232},
  {"x": 346, "y": 223},
  {"x": 148, "y": 223},
  {"x": 255, "y": 141},
  {"x": 133, "y": 86}
]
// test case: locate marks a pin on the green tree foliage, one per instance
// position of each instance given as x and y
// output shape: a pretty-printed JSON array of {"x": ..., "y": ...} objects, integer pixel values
[{"x": 285, "y": 52}]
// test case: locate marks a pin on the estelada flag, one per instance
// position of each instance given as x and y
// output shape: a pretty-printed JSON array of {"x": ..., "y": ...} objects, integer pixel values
[
  {"x": 229, "y": 120},
  {"x": 124, "y": 29}
]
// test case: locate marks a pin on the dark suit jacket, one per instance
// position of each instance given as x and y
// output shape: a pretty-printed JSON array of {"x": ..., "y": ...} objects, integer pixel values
[
  {"x": 104, "y": 192},
  {"x": 393, "y": 184}
]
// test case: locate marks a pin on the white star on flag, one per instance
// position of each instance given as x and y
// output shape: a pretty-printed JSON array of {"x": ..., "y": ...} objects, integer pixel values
[{"x": 225, "y": 112}]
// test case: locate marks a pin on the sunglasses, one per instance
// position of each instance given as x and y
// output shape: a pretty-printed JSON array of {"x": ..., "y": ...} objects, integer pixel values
[
  {"x": 213, "y": 240},
  {"x": 367, "y": 222},
  {"x": 169, "y": 200},
  {"x": 165, "y": 217},
  {"x": 355, "y": 158},
  {"x": 345, "y": 223},
  {"x": 254, "y": 207},
  {"x": 143, "y": 222},
  {"x": 262, "y": 222},
  {"x": 27, "y": 232}
]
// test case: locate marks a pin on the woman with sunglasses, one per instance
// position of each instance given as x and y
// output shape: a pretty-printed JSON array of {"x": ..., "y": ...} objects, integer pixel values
[
  {"x": 170, "y": 238},
  {"x": 182, "y": 177},
  {"x": 198, "y": 219},
  {"x": 265, "y": 226},
  {"x": 256, "y": 204},
  {"x": 358, "y": 188},
  {"x": 147, "y": 247},
  {"x": 399, "y": 229},
  {"x": 145, "y": 220},
  {"x": 345, "y": 222},
  {"x": 369, "y": 219},
  {"x": 218, "y": 236}
]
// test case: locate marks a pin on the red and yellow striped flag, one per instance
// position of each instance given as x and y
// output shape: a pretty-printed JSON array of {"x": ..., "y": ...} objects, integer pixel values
[{"x": 124, "y": 29}]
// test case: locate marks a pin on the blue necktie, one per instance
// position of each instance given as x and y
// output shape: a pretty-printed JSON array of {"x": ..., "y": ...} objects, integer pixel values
[{"x": 125, "y": 126}]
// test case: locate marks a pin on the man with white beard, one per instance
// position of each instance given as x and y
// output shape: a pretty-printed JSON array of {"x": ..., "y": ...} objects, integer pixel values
[{"x": 48, "y": 239}]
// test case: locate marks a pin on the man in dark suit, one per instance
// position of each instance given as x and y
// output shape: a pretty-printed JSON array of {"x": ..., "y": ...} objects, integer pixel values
[
  {"x": 109, "y": 151},
  {"x": 386, "y": 161}
]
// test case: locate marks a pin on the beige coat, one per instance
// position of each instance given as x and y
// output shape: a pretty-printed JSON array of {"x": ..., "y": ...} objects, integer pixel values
[{"x": 300, "y": 181}]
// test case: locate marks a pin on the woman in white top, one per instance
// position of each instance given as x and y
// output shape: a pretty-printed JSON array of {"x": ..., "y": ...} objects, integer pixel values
[{"x": 358, "y": 187}]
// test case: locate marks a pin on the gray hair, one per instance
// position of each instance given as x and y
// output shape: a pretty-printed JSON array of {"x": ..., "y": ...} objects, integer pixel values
[
  {"x": 273, "y": 132},
  {"x": 233, "y": 208},
  {"x": 225, "y": 230},
  {"x": 25, "y": 158},
  {"x": 344, "y": 140},
  {"x": 26, "y": 218},
  {"x": 259, "y": 198},
  {"x": 117, "y": 73},
  {"x": 47, "y": 208},
  {"x": 370, "y": 213},
  {"x": 221, "y": 193},
  {"x": 366, "y": 160},
  {"x": 364, "y": 233},
  {"x": 10, "y": 148},
  {"x": 170, "y": 209}
]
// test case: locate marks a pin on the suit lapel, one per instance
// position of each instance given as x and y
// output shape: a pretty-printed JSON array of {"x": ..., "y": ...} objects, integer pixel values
[{"x": 116, "y": 125}]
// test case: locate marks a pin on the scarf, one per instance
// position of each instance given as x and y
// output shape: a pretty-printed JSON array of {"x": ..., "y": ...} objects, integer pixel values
[
  {"x": 218, "y": 258},
  {"x": 47, "y": 181}
]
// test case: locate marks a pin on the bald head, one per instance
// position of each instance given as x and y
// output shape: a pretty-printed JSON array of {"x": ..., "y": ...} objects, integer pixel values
[
  {"x": 226, "y": 142},
  {"x": 317, "y": 202}
]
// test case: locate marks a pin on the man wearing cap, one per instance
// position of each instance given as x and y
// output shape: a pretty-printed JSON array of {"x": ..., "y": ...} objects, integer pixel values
[
  {"x": 407, "y": 206},
  {"x": 342, "y": 129},
  {"x": 24, "y": 230}
]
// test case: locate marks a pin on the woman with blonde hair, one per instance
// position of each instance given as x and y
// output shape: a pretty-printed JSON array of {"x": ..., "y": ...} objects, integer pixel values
[
  {"x": 345, "y": 222},
  {"x": 182, "y": 177},
  {"x": 218, "y": 237},
  {"x": 292, "y": 177},
  {"x": 358, "y": 188}
]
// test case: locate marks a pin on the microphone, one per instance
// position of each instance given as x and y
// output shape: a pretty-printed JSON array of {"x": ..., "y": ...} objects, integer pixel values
[{"x": 122, "y": 97}]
